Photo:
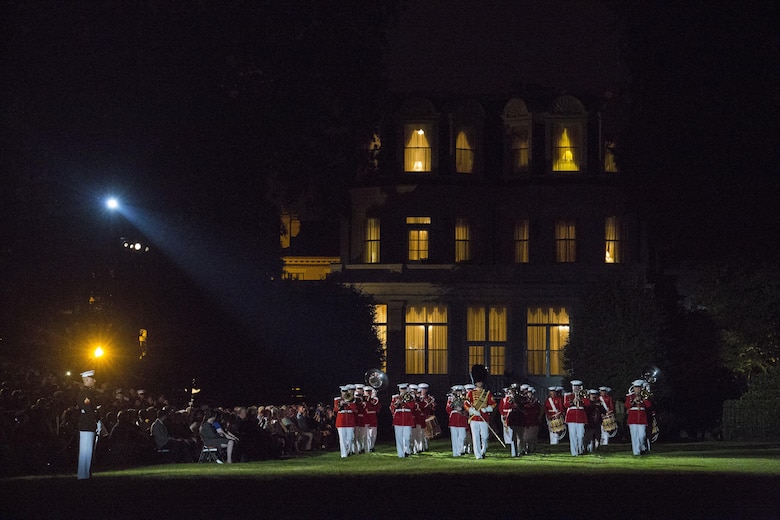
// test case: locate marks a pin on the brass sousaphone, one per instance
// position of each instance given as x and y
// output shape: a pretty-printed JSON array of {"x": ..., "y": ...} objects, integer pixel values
[{"x": 375, "y": 378}]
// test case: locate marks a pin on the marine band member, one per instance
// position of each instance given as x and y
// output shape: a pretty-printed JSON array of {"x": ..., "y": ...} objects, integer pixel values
[
  {"x": 402, "y": 406},
  {"x": 479, "y": 404},
  {"x": 345, "y": 409},
  {"x": 458, "y": 419},
  {"x": 638, "y": 407},
  {"x": 576, "y": 417}
]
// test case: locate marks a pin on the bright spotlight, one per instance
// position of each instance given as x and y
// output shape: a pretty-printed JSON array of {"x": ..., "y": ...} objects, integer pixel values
[
  {"x": 99, "y": 352},
  {"x": 112, "y": 203}
]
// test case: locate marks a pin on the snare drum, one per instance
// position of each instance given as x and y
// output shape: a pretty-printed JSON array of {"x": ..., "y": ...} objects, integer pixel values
[
  {"x": 432, "y": 428},
  {"x": 556, "y": 424},
  {"x": 609, "y": 424}
]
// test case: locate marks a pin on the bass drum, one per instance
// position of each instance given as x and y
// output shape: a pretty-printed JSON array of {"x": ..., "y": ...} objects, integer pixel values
[
  {"x": 609, "y": 424},
  {"x": 557, "y": 425},
  {"x": 432, "y": 428}
]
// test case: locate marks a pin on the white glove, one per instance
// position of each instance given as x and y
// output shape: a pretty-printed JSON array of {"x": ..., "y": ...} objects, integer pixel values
[
  {"x": 488, "y": 409},
  {"x": 473, "y": 411}
]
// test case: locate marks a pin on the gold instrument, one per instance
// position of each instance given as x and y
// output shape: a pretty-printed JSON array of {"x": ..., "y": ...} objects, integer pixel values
[{"x": 347, "y": 396}]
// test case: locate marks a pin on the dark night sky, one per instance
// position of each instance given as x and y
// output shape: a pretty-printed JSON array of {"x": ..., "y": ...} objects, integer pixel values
[{"x": 476, "y": 48}]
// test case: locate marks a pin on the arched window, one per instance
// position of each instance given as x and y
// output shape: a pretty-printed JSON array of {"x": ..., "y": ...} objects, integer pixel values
[
  {"x": 464, "y": 151},
  {"x": 566, "y": 123}
]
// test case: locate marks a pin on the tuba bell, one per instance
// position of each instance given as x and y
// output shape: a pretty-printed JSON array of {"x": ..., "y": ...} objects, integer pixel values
[{"x": 377, "y": 379}]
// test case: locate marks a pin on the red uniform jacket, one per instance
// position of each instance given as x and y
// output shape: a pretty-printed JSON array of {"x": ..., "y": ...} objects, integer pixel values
[
  {"x": 345, "y": 413},
  {"x": 473, "y": 396},
  {"x": 457, "y": 418},
  {"x": 403, "y": 411},
  {"x": 505, "y": 406},
  {"x": 575, "y": 411},
  {"x": 607, "y": 404},
  {"x": 360, "y": 416},
  {"x": 553, "y": 406},
  {"x": 637, "y": 412},
  {"x": 372, "y": 409}
]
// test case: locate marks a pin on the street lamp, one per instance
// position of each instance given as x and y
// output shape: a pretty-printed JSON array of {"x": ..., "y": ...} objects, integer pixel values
[{"x": 112, "y": 203}]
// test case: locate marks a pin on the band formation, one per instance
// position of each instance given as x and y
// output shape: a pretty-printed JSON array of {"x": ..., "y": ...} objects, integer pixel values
[{"x": 586, "y": 416}]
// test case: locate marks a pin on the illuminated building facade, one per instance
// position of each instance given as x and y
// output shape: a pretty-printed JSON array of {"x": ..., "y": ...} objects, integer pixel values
[{"x": 478, "y": 227}]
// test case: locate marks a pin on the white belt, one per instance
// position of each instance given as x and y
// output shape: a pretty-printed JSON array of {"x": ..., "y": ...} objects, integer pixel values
[
  {"x": 403, "y": 410},
  {"x": 345, "y": 411},
  {"x": 635, "y": 408}
]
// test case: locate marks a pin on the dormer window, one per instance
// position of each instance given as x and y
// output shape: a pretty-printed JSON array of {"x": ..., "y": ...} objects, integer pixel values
[
  {"x": 464, "y": 151},
  {"x": 610, "y": 166},
  {"x": 417, "y": 152},
  {"x": 517, "y": 129},
  {"x": 567, "y": 147},
  {"x": 418, "y": 131},
  {"x": 566, "y": 138}
]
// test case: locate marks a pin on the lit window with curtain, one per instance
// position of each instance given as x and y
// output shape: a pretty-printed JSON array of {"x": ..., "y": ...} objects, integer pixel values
[
  {"x": 548, "y": 333},
  {"x": 417, "y": 150},
  {"x": 380, "y": 327},
  {"x": 464, "y": 151},
  {"x": 614, "y": 240},
  {"x": 521, "y": 241},
  {"x": 418, "y": 228},
  {"x": 486, "y": 328},
  {"x": 426, "y": 339},
  {"x": 520, "y": 147},
  {"x": 462, "y": 240},
  {"x": 565, "y": 241},
  {"x": 566, "y": 147},
  {"x": 610, "y": 166},
  {"x": 371, "y": 241}
]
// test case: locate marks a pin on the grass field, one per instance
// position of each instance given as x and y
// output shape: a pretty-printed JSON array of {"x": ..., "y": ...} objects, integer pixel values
[{"x": 693, "y": 480}]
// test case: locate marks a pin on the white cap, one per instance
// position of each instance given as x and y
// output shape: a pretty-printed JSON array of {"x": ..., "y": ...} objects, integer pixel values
[
  {"x": 458, "y": 387},
  {"x": 604, "y": 389},
  {"x": 413, "y": 387},
  {"x": 343, "y": 388},
  {"x": 552, "y": 388},
  {"x": 532, "y": 389},
  {"x": 88, "y": 373},
  {"x": 639, "y": 382},
  {"x": 469, "y": 386},
  {"x": 359, "y": 387},
  {"x": 350, "y": 387},
  {"x": 422, "y": 385},
  {"x": 524, "y": 386},
  {"x": 403, "y": 385},
  {"x": 593, "y": 391},
  {"x": 576, "y": 382}
]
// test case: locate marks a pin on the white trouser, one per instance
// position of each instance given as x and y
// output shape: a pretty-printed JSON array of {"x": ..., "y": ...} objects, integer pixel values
[
  {"x": 417, "y": 436},
  {"x": 346, "y": 440},
  {"x": 86, "y": 449},
  {"x": 638, "y": 438},
  {"x": 403, "y": 440},
  {"x": 479, "y": 436},
  {"x": 360, "y": 439},
  {"x": 604, "y": 437},
  {"x": 458, "y": 438},
  {"x": 370, "y": 437},
  {"x": 577, "y": 438}
]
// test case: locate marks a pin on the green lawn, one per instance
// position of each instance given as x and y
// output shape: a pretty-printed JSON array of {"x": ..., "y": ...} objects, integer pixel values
[{"x": 694, "y": 480}]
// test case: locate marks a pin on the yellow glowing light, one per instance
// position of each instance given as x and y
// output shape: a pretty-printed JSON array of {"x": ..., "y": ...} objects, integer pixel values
[
  {"x": 99, "y": 352},
  {"x": 420, "y": 131}
]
